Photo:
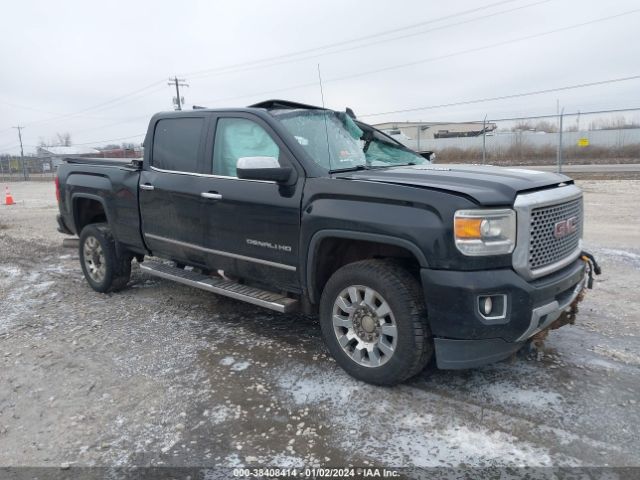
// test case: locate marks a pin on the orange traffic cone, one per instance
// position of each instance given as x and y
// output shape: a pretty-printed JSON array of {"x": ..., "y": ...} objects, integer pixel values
[{"x": 8, "y": 199}]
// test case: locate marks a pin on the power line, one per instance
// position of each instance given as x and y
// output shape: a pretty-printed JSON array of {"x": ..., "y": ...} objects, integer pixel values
[
  {"x": 103, "y": 105},
  {"x": 120, "y": 122},
  {"x": 371, "y": 44},
  {"x": 504, "y": 97},
  {"x": 486, "y": 47},
  {"x": 112, "y": 139},
  {"x": 58, "y": 114},
  {"x": 439, "y": 57},
  {"x": 555, "y": 115},
  {"x": 549, "y": 115},
  {"x": 466, "y": 102},
  {"x": 233, "y": 67},
  {"x": 13, "y": 105},
  {"x": 99, "y": 105},
  {"x": 297, "y": 53},
  {"x": 104, "y": 140}
]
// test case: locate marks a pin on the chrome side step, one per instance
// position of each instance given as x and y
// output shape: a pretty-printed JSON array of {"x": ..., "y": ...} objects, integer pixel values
[{"x": 256, "y": 296}]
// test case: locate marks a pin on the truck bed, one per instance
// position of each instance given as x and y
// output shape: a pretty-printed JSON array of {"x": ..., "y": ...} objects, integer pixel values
[{"x": 105, "y": 190}]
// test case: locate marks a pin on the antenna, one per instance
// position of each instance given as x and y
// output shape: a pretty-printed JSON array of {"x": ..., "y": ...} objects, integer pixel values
[{"x": 324, "y": 115}]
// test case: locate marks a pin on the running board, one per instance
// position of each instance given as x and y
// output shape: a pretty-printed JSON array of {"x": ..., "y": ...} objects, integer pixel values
[{"x": 256, "y": 296}]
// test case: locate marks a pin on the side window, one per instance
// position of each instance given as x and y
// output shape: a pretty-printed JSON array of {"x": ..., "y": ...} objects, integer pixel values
[
  {"x": 237, "y": 138},
  {"x": 176, "y": 142}
]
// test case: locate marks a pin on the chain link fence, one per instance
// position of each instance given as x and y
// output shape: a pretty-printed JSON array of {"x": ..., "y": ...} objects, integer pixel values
[
  {"x": 596, "y": 137},
  {"x": 16, "y": 168},
  {"x": 602, "y": 137}
]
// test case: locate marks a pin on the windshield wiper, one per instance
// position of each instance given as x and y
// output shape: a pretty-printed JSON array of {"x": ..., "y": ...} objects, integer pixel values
[
  {"x": 390, "y": 165},
  {"x": 349, "y": 169}
]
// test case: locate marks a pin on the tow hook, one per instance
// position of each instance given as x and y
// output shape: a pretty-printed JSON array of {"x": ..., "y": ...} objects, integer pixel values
[
  {"x": 568, "y": 317},
  {"x": 592, "y": 267}
]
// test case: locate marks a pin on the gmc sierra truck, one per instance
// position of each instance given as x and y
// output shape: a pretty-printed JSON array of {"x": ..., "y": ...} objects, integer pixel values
[{"x": 295, "y": 207}]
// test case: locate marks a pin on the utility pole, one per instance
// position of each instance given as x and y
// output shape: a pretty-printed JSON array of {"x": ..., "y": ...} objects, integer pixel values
[
  {"x": 24, "y": 167},
  {"x": 560, "y": 141},
  {"x": 484, "y": 140},
  {"x": 2, "y": 169},
  {"x": 178, "y": 82}
]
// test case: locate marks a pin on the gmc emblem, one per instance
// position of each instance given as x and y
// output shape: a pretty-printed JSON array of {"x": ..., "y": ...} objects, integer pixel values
[{"x": 565, "y": 227}]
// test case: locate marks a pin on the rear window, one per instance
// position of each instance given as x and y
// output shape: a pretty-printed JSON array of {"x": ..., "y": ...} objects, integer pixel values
[{"x": 176, "y": 142}]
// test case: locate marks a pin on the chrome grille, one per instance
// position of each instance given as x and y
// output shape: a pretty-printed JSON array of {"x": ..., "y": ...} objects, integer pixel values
[{"x": 544, "y": 247}]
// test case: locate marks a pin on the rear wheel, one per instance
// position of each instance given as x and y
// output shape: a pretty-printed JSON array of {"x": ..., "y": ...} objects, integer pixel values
[
  {"x": 103, "y": 268},
  {"x": 374, "y": 322}
]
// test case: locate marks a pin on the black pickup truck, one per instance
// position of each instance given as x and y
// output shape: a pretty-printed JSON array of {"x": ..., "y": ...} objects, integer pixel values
[{"x": 295, "y": 207}]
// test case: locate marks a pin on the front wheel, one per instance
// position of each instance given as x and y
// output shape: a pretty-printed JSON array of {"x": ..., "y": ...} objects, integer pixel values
[
  {"x": 374, "y": 322},
  {"x": 103, "y": 268}
]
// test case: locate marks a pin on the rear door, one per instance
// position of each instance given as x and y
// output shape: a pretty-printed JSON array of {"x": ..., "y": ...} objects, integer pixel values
[
  {"x": 170, "y": 187},
  {"x": 252, "y": 227}
]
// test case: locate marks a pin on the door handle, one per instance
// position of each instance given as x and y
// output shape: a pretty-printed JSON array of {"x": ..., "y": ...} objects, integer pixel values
[
  {"x": 211, "y": 195},
  {"x": 146, "y": 186}
]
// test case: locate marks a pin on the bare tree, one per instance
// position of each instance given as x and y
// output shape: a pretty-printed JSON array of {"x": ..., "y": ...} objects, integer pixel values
[
  {"x": 64, "y": 139},
  {"x": 540, "y": 126},
  {"x": 616, "y": 123}
]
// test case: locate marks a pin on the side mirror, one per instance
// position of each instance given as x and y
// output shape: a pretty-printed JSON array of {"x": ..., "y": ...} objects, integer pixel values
[{"x": 262, "y": 168}]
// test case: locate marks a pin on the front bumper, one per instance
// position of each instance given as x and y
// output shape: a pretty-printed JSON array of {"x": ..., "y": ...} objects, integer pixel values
[{"x": 465, "y": 339}]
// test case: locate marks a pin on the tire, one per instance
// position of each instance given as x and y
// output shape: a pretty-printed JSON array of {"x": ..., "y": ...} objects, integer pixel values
[
  {"x": 398, "y": 344},
  {"x": 104, "y": 270}
]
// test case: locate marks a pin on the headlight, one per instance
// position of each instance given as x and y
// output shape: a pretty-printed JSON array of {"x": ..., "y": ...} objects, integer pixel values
[{"x": 485, "y": 232}]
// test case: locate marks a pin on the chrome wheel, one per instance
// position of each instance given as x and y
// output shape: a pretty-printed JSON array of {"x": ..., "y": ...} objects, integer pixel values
[
  {"x": 94, "y": 259},
  {"x": 364, "y": 326}
]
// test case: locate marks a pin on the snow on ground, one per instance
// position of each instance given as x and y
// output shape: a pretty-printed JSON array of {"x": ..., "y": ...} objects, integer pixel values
[
  {"x": 397, "y": 426},
  {"x": 161, "y": 374}
]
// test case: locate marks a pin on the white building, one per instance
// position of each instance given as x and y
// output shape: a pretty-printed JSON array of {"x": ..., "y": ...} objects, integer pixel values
[
  {"x": 414, "y": 132},
  {"x": 55, "y": 155}
]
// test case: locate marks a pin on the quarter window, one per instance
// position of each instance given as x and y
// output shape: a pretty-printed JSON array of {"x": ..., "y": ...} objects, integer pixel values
[
  {"x": 237, "y": 138},
  {"x": 176, "y": 142}
]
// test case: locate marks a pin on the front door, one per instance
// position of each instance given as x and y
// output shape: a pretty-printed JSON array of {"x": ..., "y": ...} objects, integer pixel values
[{"x": 253, "y": 226}]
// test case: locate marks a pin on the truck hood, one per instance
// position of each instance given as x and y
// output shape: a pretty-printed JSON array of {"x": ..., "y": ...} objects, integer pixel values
[{"x": 486, "y": 184}]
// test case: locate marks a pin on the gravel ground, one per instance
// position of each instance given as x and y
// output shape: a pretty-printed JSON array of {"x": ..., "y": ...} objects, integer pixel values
[{"x": 161, "y": 374}]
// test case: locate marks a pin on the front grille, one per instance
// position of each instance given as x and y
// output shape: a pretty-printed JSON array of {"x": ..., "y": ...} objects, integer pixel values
[{"x": 544, "y": 247}]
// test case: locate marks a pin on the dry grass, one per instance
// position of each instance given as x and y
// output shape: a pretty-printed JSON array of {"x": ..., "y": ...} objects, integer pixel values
[{"x": 530, "y": 155}]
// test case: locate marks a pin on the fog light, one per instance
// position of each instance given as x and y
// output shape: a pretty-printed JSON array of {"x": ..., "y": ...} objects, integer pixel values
[
  {"x": 487, "y": 305},
  {"x": 493, "y": 307}
]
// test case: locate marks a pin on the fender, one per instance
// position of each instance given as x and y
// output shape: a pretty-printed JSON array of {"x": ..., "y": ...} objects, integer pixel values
[
  {"x": 320, "y": 235},
  {"x": 90, "y": 196}
]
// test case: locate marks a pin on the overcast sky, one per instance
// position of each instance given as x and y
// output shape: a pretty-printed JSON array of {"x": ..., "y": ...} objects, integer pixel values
[{"x": 99, "y": 70}]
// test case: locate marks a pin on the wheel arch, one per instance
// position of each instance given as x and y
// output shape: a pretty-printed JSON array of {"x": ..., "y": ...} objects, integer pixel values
[
  {"x": 316, "y": 275},
  {"x": 86, "y": 208}
]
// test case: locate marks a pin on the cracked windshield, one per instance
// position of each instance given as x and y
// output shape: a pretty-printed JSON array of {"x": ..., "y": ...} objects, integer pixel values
[{"x": 335, "y": 142}]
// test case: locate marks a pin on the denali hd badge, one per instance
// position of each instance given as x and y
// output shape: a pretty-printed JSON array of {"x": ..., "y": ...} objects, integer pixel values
[
  {"x": 272, "y": 246},
  {"x": 565, "y": 227}
]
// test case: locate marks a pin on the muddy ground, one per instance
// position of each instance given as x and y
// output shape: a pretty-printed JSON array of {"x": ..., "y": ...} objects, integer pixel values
[{"x": 162, "y": 374}]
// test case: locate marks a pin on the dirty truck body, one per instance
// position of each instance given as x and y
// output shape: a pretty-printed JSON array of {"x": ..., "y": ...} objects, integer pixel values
[{"x": 290, "y": 207}]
